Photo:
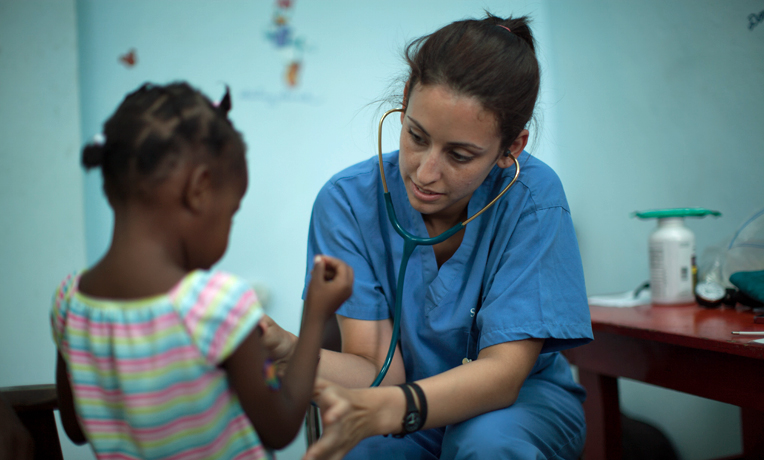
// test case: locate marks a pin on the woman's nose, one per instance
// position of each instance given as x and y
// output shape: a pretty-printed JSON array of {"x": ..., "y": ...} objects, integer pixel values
[{"x": 429, "y": 167}]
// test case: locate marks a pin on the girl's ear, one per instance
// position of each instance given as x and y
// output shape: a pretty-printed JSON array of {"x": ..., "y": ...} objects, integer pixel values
[
  {"x": 196, "y": 193},
  {"x": 505, "y": 161}
]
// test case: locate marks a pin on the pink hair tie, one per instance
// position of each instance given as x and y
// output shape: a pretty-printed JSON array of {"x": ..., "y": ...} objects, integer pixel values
[{"x": 504, "y": 27}]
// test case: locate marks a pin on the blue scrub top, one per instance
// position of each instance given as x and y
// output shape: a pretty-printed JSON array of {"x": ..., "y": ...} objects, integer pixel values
[{"x": 516, "y": 275}]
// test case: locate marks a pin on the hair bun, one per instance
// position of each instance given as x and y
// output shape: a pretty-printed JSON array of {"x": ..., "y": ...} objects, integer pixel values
[{"x": 92, "y": 155}]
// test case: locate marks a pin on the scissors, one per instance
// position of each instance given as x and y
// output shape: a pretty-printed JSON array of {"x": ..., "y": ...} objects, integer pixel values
[{"x": 410, "y": 242}]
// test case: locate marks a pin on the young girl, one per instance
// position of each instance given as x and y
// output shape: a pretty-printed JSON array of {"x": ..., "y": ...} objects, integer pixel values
[{"x": 158, "y": 357}]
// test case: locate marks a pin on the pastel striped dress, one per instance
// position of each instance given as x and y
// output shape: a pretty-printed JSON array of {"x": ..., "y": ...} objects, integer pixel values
[{"x": 145, "y": 374}]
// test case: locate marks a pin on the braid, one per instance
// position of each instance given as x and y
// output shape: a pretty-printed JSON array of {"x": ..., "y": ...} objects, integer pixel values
[{"x": 154, "y": 124}]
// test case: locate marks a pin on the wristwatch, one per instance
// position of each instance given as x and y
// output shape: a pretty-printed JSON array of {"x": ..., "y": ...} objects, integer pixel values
[
  {"x": 412, "y": 419},
  {"x": 710, "y": 294}
]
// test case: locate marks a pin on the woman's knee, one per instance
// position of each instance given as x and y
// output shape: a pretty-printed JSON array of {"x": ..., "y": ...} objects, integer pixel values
[{"x": 542, "y": 424}]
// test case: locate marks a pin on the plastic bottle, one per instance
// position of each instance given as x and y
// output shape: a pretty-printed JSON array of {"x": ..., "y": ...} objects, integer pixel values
[{"x": 673, "y": 269}]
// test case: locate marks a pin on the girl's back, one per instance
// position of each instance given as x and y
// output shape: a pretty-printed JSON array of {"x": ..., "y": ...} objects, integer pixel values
[{"x": 146, "y": 373}]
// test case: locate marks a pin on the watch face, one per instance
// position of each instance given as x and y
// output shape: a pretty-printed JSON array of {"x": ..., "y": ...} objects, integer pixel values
[
  {"x": 710, "y": 290},
  {"x": 413, "y": 420}
]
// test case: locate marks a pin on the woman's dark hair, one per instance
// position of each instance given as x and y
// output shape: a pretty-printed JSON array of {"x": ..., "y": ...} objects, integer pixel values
[
  {"x": 482, "y": 59},
  {"x": 153, "y": 124}
]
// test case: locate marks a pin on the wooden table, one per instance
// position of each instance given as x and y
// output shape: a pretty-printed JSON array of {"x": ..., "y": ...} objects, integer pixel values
[{"x": 685, "y": 348}]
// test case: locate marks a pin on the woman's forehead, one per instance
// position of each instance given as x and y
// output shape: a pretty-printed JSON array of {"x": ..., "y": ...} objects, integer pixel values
[{"x": 437, "y": 107}]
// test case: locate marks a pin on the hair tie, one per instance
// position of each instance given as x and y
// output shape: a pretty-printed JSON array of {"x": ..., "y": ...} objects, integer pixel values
[
  {"x": 99, "y": 140},
  {"x": 504, "y": 27}
]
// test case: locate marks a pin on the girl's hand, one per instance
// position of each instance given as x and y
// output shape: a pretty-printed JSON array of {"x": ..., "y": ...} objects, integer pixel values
[
  {"x": 346, "y": 419},
  {"x": 331, "y": 283}
]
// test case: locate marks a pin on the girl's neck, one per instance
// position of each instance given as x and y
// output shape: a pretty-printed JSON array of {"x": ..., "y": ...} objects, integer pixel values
[{"x": 141, "y": 262}]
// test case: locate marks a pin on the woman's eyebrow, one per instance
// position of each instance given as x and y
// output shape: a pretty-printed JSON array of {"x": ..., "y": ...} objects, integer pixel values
[
  {"x": 458, "y": 144},
  {"x": 419, "y": 126}
]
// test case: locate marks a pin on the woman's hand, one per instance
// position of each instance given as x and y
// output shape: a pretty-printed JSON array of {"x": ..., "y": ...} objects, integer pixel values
[{"x": 349, "y": 416}]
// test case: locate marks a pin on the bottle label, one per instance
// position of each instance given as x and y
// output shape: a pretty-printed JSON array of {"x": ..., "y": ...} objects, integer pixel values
[{"x": 672, "y": 271}]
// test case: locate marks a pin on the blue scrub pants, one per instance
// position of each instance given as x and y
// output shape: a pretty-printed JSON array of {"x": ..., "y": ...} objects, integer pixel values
[{"x": 546, "y": 422}]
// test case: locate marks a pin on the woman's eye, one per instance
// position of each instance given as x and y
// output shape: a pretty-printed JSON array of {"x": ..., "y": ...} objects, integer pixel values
[
  {"x": 416, "y": 138},
  {"x": 458, "y": 157}
]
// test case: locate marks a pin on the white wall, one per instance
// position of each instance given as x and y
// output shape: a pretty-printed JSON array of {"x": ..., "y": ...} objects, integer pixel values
[
  {"x": 42, "y": 235},
  {"x": 659, "y": 104}
]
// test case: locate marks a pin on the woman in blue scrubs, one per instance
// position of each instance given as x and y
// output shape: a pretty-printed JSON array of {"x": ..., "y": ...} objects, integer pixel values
[{"x": 485, "y": 313}]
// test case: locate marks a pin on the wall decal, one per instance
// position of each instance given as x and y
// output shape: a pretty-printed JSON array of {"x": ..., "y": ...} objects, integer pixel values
[
  {"x": 129, "y": 59},
  {"x": 283, "y": 37}
]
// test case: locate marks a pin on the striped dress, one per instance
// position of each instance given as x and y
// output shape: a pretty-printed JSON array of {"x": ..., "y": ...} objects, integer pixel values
[{"x": 145, "y": 373}]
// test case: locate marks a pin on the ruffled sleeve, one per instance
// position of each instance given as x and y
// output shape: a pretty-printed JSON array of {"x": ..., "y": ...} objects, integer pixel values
[{"x": 219, "y": 310}]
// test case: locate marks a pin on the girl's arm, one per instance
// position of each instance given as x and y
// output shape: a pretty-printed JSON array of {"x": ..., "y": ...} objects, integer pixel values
[
  {"x": 277, "y": 415},
  {"x": 66, "y": 404},
  {"x": 489, "y": 383}
]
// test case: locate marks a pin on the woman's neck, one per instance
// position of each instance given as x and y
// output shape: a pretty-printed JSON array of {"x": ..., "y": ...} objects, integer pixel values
[{"x": 438, "y": 224}]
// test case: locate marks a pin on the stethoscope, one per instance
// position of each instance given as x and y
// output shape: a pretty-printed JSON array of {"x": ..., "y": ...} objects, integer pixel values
[{"x": 410, "y": 242}]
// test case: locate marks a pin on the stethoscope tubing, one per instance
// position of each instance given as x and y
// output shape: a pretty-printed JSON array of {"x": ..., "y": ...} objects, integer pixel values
[{"x": 410, "y": 242}]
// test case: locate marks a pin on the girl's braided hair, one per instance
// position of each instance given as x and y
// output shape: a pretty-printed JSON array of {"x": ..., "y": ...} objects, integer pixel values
[{"x": 152, "y": 126}]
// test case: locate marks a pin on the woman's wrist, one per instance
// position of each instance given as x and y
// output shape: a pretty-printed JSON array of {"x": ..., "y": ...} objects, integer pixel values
[{"x": 391, "y": 407}]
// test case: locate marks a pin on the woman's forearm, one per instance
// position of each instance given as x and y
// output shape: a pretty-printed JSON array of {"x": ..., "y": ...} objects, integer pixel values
[
  {"x": 489, "y": 383},
  {"x": 364, "y": 350},
  {"x": 352, "y": 371}
]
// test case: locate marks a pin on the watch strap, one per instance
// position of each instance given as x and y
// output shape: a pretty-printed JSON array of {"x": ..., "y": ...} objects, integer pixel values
[
  {"x": 422, "y": 402},
  {"x": 411, "y": 418}
]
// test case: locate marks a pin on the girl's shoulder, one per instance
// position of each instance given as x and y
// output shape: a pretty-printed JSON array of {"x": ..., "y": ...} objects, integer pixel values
[
  {"x": 66, "y": 288},
  {"x": 60, "y": 305},
  {"x": 218, "y": 310},
  {"x": 205, "y": 286}
]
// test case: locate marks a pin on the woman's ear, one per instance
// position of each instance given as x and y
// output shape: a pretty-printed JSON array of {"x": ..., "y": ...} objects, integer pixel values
[
  {"x": 515, "y": 149},
  {"x": 198, "y": 188},
  {"x": 405, "y": 99}
]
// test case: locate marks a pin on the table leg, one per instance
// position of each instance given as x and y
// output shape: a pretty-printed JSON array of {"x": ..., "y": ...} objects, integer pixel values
[
  {"x": 604, "y": 440},
  {"x": 753, "y": 433}
]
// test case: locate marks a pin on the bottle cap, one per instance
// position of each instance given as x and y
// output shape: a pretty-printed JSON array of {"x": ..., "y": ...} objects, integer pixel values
[{"x": 675, "y": 212}]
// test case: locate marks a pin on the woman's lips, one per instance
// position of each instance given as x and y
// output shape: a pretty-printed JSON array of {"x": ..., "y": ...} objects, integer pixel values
[{"x": 424, "y": 194}]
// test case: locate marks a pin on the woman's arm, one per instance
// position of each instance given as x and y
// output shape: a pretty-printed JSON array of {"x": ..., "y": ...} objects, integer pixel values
[
  {"x": 489, "y": 383},
  {"x": 364, "y": 349}
]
